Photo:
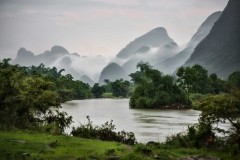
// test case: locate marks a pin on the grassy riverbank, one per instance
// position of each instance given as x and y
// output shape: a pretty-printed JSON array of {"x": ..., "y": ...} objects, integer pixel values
[{"x": 46, "y": 146}]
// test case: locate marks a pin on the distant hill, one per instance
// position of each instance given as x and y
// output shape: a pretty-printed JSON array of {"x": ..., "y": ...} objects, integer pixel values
[
  {"x": 27, "y": 58},
  {"x": 154, "y": 38},
  {"x": 60, "y": 58},
  {"x": 142, "y": 50},
  {"x": 75, "y": 54},
  {"x": 145, "y": 54},
  {"x": 113, "y": 72},
  {"x": 169, "y": 65},
  {"x": 219, "y": 52},
  {"x": 86, "y": 79}
]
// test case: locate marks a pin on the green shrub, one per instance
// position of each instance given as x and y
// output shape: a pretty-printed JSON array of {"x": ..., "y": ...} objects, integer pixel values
[
  {"x": 104, "y": 132},
  {"x": 144, "y": 149},
  {"x": 109, "y": 152},
  {"x": 107, "y": 95}
]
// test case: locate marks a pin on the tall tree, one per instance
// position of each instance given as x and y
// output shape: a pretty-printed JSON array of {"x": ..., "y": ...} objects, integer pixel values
[
  {"x": 186, "y": 79},
  {"x": 120, "y": 88},
  {"x": 97, "y": 90}
]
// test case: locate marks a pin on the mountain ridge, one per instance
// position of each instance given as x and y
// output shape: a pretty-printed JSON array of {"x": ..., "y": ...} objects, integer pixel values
[
  {"x": 219, "y": 52},
  {"x": 169, "y": 65},
  {"x": 154, "y": 38}
]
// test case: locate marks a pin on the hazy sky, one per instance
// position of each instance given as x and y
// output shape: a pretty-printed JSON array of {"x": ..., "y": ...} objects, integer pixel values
[{"x": 93, "y": 27}]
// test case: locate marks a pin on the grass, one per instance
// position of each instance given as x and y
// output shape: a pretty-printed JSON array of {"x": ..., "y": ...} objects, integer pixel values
[
  {"x": 107, "y": 95},
  {"x": 110, "y": 95},
  {"x": 165, "y": 152},
  {"x": 46, "y": 146}
]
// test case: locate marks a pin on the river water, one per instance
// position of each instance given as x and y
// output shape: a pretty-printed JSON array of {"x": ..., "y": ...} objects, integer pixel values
[{"x": 147, "y": 125}]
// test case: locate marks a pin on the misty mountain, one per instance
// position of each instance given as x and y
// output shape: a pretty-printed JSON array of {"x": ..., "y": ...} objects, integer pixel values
[
  {"x": 65, "y": 63},
  {"x": 75, "y": 54},
  {"x": 113, "y": 72},
  {"x": 151, "y": 55},
  {"x": 169, "y": 65},
  {"x": 142, "y": 50},
  {"x": 27, "y": 58},
  {"x": 78, "y": 66},
  {"x": 154, "y": 38},
  {"x": 86, "y": 79},
  {"x": 60, "y": 58},
  {"x": 24, "y": 58},
  {"x": 219, "y": 52}
]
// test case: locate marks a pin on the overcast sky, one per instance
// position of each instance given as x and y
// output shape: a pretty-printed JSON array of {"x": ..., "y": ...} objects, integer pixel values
[{"x": 96, "y": 27}]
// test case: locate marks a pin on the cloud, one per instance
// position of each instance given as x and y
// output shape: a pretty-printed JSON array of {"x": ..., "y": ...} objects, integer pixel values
[
  {"x": 119, "y": 2},
  {"x": 194, "y": 12},
  {"x": 103, "y": 26}
]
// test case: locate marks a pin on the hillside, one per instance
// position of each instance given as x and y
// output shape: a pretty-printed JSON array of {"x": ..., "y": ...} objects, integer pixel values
[
  {"x": 27, "y": 58},
  {"x": 86, "y": 79},
  {"x": 154, "y": 38},
  {"x": 169, "y": 65},
  {"x": 113, "y": 72},
  {"x": 219, "y": 52}
]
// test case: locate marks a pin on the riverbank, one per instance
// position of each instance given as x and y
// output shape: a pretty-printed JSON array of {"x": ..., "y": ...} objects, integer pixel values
[
  {"x": 173, "y": 106},
  {"x": 30, "y": 145}
]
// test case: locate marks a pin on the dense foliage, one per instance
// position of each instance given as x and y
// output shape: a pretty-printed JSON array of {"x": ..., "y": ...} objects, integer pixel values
[
  {"x": 97, "y": 90},
  {"x": 196, "y": 80},
  {"x": 154, "y": 89},
  {"x": 105, "y": 132},
  {"x": 117, "y": 88},
  {"x": 31, "y": 96},
  {"x": 64, "y": 85},
  {"x": 210, "y": 132}
]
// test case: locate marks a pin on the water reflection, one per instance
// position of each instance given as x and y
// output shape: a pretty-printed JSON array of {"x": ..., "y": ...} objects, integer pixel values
[{"x": 148, "y": 125}]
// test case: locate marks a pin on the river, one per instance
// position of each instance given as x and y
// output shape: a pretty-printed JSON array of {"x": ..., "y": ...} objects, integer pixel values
[{"x": 147, "y": 125}]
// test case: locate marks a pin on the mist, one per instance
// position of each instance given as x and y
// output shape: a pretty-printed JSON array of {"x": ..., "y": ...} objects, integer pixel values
[{"x": 77, "y": 66}]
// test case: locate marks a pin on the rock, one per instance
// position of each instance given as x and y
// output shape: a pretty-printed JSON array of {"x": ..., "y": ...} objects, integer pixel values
[
  {"x": 21, "y": 141},
  {"x": 26, "y": 154},
  {"x": 114, "y": 158},
  {"x": 200, "y": 157},
  {"x": 156, "y": 157},
  {"x": 151, "y": 142}
]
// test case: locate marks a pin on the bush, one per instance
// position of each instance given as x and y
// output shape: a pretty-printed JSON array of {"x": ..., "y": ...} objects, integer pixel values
[
  {"x": 105, "y": 132},
  {"x": 107, "y": 95},
  {"x": 144, "y": 149},
  {"x": 110, "y": 151}
]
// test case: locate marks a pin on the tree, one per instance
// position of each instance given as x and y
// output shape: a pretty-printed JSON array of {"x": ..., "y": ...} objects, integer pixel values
[
  {"x": 11, "y": 84},
  {"x": 187, "y": 77},
  {"x": 107, "y": 85},
  {"x": 26, "y": 95},
  {"x": 154, "y": 89},
  {"x": 97, "y": 90},
  {"x": 221, "y": 109},
  {"x": 215, "y": 83},
  {"x": 120, "y": 88},
  {"x": 202, "y": 83},
  {"x": 234, "y": 79}
]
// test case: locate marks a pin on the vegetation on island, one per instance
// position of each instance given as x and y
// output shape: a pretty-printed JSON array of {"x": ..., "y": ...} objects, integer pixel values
[
  {"x": 117, "y": 89},
  {"x": 154, "y": 89}
]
